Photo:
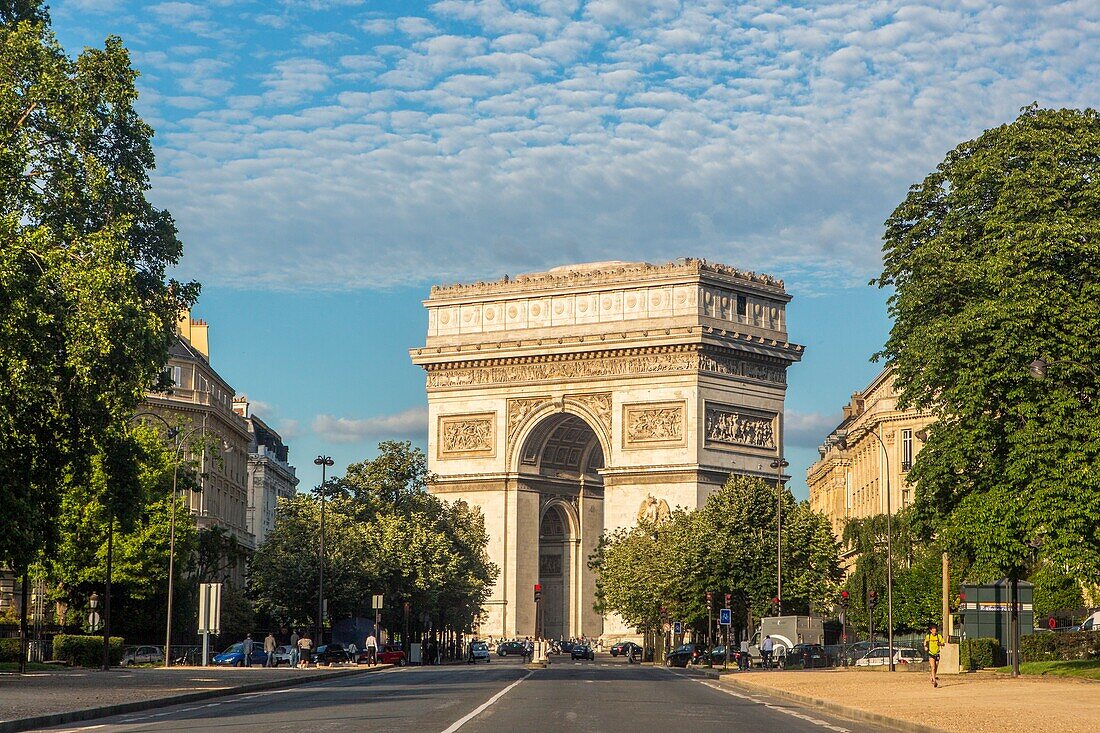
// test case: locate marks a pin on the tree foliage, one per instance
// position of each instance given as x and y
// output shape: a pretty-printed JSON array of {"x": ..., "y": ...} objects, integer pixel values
[
  {"x": 995, "y": 260},
  {"x": 86, "y": 314},
  {"x": 726, "y": 546}
]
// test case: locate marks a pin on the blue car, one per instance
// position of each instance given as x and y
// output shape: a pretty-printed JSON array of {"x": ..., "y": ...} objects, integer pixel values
[{"x": 234, "y": 656}]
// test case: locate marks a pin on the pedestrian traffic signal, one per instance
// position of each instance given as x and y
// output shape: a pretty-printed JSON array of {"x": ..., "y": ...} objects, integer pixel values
[
  {"x": 729, "y": 600},
  {"x": 710, "y": 598},
  {"x": 844, "y": 599},
  {"x": 872, "y": 599},
  {"x": 775, "y": 606},
  {"x": 538, "y": 592}
]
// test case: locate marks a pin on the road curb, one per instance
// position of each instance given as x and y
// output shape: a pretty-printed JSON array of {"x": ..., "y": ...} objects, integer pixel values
[
  {"x": 76, "y": 716},
  {"x": 846, "y": 711}
]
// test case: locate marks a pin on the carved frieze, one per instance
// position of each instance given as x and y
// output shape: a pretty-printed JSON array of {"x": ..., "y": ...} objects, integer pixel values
[
  {"x": 653, "y": 510},
  {"x": 466, "y": 435},
  {"x": 601, "y": 366},
  {"x": 599, "y": 404},
  {"x": 739, "y": 427},
  {"x": 653, "y": 424},
  {"x": 519, "y": 409}
]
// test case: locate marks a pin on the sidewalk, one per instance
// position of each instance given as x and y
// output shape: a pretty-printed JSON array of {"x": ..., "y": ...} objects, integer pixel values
[
  {"x": 83, "y": 694},
  {"x": 980, "y": 702}
]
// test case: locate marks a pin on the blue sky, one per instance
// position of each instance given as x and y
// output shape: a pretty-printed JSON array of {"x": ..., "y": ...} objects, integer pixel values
[{"x": 328, "y": 160}]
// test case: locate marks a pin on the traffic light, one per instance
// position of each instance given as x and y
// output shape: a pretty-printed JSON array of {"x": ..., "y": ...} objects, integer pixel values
[
  {"x": 844, "y": 599},
  {"x": 710, "y": 599},
  {"x": 775, "y": 606},
  {"x": 872, "y": 600},
  {"x": 538, "y": 592}
]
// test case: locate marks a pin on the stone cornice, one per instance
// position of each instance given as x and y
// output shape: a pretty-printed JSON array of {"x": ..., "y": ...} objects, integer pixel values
[{"x": 611, "y": 273}]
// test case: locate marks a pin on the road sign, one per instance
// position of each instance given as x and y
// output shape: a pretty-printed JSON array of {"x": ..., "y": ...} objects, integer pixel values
[
  {"x": 94, "y": 620},
  {"x": 725, "y": 617},
  {"x": 376, "y": 602},
  {"x": 210, "y": 608},
  {"x": 678, "y": 627},
  {"x": 1052, "y": 623}
]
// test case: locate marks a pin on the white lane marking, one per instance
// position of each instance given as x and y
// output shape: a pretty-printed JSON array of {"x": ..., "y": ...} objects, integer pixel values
[
  {"x": 771, "y": 706},
  {"x": 484, "y": 706}
]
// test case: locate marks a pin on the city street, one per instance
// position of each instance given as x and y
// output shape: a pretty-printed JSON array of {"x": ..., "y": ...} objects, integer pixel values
[{"x": 604, "y": 695}]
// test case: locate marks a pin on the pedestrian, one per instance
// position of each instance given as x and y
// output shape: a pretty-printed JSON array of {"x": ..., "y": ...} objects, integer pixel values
[
  {"x": 305, "y": 648},
  {"x": 745, "y": 662},
  {"x": 933, "y": 643},
  {"x": 371, "y": 645},
  {"x": 247, "y": 650},
  {"x": 528, "y": 649},
  {"x": 353, "y": 652},
  {"x": 269, "y": 649},
  {"x": 766, "y": 648},
  {"x": 294, "y": 657}
]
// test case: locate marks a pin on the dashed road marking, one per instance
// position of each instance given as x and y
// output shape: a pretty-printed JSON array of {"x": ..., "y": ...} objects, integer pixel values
[
  {"x": 484, "y": 706},
  {"x": 768, "y": 704}
]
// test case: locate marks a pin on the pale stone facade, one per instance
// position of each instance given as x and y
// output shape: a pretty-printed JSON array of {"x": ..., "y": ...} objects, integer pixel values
[
  {"x": 571, "y": 402},
  {"x": 270, "y": 475},
  {"x": 849, "y": 479}
]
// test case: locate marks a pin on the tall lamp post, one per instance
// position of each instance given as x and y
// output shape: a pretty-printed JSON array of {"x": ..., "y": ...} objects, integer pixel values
[
  {"x": 324, "y": 462},
  {"x": 842, "y": 435},
  {"x": 779, "y": 464}
]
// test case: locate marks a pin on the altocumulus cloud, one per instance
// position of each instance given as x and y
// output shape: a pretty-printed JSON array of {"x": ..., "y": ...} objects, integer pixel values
[
  {"x": 807, "y": 429},
  {"x": 411, "y": 424},
  {"x": 347, "y": 146}
]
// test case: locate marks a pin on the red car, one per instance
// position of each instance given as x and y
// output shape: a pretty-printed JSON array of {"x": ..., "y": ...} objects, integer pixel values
[{"x": 388, "y": 654}]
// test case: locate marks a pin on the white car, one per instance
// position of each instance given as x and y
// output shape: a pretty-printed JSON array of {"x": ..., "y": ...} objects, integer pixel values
[
  {"x": 1092, "y": 623},
  {"x": 142, "y": 655},
  {"x": 880, "y": 657},
  {"x": 479, "y": 652}
]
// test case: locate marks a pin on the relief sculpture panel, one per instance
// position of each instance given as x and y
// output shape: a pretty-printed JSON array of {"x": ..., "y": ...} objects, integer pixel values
[
  {"x": 728, "y": 425},
  {"x": 653, "y": 424},
  {"x": 466, "y": 435}
]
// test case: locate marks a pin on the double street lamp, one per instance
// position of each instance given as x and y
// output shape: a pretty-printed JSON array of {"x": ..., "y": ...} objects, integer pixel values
[
  {"x": 324, "y": 462},
  {"x": 779, "y": 464}
]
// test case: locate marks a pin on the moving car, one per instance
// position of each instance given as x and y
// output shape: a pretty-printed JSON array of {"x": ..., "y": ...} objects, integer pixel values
[
  {"x": 479, "y": 652},
  {"x": 581, "y": 651},
  {"x": 234, "y": 656},
  {"x": 624, "y": 648},
  {"x": 333, "y": 653},
  {"x": 507, "y": 648},
  {"x": 880, "y": 657},
  {"x": 684, "y": 655},
  {"x": 807, "y": 656},
  {"x": 142, "y": 655},
  {"x": 390, "y": 654}
]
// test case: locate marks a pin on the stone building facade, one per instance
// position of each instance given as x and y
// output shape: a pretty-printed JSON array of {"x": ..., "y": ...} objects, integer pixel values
[
  {"x": 849, "y": 479},
  {"x": 200, "y": 397},
  {"x": 270, "y": 475},
  {"x": 579, "y": 400}
]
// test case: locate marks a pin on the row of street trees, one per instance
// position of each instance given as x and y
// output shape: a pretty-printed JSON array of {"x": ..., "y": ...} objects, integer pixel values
[
  {"x": 384, "y": 533},
  {"x": 726, "y": 546}
]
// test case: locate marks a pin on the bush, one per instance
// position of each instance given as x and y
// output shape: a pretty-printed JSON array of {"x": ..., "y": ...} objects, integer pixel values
[
  {"x": 1048, "y": 646},
  {"x": 9, "y": 650},
  {"x": 980, "y": 653},
  {"x": 85, "y": 651}
]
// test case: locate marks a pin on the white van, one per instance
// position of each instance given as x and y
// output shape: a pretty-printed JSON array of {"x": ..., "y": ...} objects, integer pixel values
[{"x": 1092, "y": 623}]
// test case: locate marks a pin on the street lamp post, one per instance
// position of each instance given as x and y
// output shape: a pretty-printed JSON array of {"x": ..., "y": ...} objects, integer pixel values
[
  {"x": 842, "y": 435},
  {"x": 779, "y": 464},
  {"x": 324, "y": 462}
]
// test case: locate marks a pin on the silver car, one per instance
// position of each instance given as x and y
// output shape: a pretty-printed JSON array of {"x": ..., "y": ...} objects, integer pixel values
[{"x": 142, "y": 655}]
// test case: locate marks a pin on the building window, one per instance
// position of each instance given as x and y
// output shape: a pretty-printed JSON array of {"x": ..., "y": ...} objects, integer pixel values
[
  {"x": 174, "y": 374},
  {"x": 906, "y": 450},
  {"x": 742, "y": 307}
]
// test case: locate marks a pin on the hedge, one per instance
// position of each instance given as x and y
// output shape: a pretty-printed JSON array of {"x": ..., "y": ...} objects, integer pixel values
[
  {"x": 980, "y": 653},
  {"x": 9, "y": 650},
  {"x": 85, "y": 651},
  {"x": 1049, "y": 646}
]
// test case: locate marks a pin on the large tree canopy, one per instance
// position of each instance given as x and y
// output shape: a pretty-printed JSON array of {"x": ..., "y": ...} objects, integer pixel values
[
  {"x": 995, "y": 260},
  {"x": 86, "y": 314}
]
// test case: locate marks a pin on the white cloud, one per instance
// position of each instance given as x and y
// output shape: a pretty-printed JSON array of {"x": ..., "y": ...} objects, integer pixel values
[
  {"x": 807, "y": 429},
  {"x": 409, "y": 424}
]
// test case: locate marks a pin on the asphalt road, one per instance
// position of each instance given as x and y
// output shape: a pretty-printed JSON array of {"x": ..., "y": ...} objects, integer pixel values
[{"x": 605, "y": 696}]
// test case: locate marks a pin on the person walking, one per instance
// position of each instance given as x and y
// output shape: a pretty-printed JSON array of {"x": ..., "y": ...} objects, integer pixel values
[
  {"x": 933, "y": 643},
  {"x": 305, "y": 648},
  {"x": 294, "y": 648},
  {"x": 247, "y": 650},
  {"x": 269, "y": 649},
  {"x": 766, "y": 648},
  {"x": 745, "y": 661},
  {"x": 371, "y": 645}
]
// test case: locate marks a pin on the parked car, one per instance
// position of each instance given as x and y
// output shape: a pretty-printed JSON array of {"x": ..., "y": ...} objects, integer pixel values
[
  {"x": 234, "y": 656},
  {"x": 581, "y": 651},
  {"x": 282, "y": 655},
  {"x": 329, "y": 654},
  {"x": 881, "y": 656},
  {"x": 479, "y": 652},
  {"x": 141, "y": 655},
  {"x": 514, "y": 648},
  {"x": 390, "y": 654},
  {"x": 806, "y": 656},
  {"x": 684, "y": 655},
  {"x": 717, "y": 656},
  {"x": 624, "y": 648},
  {"x": 1092, "y": 623},
  {"x": 853, "y": 652},
  {"x": 566, "y": 646}
]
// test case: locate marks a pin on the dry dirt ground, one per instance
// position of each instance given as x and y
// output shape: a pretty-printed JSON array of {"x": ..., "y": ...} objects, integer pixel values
[{"x": 978, "y": 702}]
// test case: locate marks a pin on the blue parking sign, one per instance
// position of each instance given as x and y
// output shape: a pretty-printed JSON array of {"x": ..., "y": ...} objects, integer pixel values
[
  {"x": 678, "y": 627},
  {"x": 724, "y": 617}
]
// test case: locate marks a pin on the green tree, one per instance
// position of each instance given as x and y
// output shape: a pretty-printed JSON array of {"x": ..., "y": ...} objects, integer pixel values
[
  {"x": 14, "y": 11},
  {"x": 86, "y": 314},
  {"x": 995, "y": 260}
]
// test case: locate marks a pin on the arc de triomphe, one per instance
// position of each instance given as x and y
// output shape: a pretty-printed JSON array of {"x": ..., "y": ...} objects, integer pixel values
[{"x": 574, "y": 401}]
